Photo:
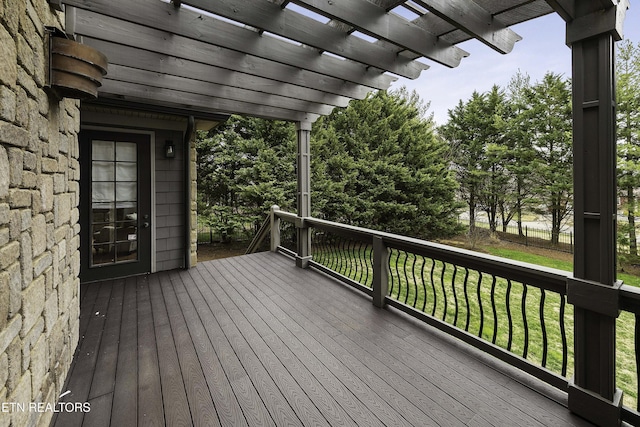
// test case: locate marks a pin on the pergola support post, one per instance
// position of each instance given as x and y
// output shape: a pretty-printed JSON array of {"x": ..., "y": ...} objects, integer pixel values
[
  {"x": 275, "y": 228},
  {"x": 303, "y": 130},
  {"x": 593, "y": 289}
]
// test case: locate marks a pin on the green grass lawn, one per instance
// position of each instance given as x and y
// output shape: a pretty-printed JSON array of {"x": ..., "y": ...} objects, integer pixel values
[{"x": 491, "y": 307}]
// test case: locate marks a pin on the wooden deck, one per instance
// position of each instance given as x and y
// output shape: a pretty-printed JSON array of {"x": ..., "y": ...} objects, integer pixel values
[{"x": 255, "y": 341}]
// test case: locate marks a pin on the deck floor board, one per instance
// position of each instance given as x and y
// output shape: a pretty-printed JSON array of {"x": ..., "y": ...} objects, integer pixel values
[{"x": 253, "y": 341}]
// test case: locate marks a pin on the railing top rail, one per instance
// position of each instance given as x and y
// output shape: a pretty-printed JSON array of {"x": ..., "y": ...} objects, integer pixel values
[
  {"x": 543, "y": 277},
  {"x": 259, "y": 237},
  {"x": 630, "y": 298},
  {"x": 286, "y": 216}
]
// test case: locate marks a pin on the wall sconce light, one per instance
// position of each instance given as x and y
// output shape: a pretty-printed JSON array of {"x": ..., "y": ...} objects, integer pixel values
[{"x": 169, "y": 149}]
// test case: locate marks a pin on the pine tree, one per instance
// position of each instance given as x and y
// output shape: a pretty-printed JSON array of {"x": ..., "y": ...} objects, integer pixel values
[
  {"x": 244, "y": 167},
  {"x": 548, "y": 121},
  {"x": 475, "y": 133},
  {"x": 521, "y": 152},
  {"x": 628, "y": 121},
  {"x": 378, "y": 164}
]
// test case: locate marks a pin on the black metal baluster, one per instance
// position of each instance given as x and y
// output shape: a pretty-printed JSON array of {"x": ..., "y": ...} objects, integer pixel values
[
  {"x": 351, "y": 253},
  {"x": 370, "y": 252},
  {"x": 360, "y": 260},
  {"x": 398, "y": 275},
  {"x": 424, "y": 287},
  {"x": 493, "y": 308},
  {"x": 341, "y": 255},
  {"x": 327, "y": 250},
  {"x": 319, "y": 253},
  {"x": 415, "y": 282},
  {"x": 525, "y": 350},
  {"x": 564, "y": 336},
  {"x": 466, "y": 298},
  {"x": 406, "y": 276},
  {"x": 390, "y": 260},
  {"x": 543, "y": 328},
  {"x": 455, "y": 296},
  {"x": 444, "y": 292},
  {"x": 480, "y": 305},
  {"x": 433, "y": 287},
  {"x": 508, "y": 303}
]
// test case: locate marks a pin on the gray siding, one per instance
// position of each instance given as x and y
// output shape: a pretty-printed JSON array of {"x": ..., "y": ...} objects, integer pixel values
[{"x": 170, "y": 218}]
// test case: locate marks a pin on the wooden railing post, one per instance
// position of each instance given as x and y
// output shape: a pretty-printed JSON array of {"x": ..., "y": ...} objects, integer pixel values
[
  {"x": 380, "y": 272},
  {"x": 593, "y": 289},
  {"x": 275, "y": 228},
  {"x": 304, "y": 194}
]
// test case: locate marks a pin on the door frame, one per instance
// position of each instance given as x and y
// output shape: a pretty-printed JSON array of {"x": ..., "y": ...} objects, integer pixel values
[{"x": 152, "y": 172}]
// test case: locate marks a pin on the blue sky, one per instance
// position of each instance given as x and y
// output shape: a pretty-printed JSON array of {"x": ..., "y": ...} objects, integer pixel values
[{"x": 542, "y": 49}]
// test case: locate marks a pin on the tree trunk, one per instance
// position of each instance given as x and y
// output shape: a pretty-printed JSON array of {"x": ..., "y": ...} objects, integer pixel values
[
  {"x": 555, "y": 222},
  {"x": 472, "y": 213},
  {"x": 519, "y": 206},
  {"x": 631, "y": 216}
]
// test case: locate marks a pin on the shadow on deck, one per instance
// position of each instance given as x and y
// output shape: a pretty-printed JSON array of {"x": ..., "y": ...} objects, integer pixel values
[{"x": 253, "y": 340}]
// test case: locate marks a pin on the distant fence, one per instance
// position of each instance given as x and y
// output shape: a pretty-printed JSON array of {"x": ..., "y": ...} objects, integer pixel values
[
  {"x": 206, "y": 234},
  {"x": 535, "y": 237}
]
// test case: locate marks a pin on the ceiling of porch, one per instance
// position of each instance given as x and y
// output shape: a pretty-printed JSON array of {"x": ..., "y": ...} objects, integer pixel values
[{"x": 281, "y": 59}]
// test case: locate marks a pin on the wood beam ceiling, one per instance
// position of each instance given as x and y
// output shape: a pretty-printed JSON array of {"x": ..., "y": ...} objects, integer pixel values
[
  {"x": 162, "y": 96},
  {"x": 275, "y": 58},
  {"x": 474, "y": 20},
  {"x": 295, "y": 26},
  {"x": 374, "y": 20},
  {"x": 197, "y": 26}
]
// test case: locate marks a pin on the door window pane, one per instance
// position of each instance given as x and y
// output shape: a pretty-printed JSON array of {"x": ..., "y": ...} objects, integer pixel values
[
  {"x": 103, "y": 192},
  {"x": 114, "y": 187},
  {"x": 126, "y": 171},
  {"x": 126, "y": 192},
  {"x": 102, "y": 171},
  {"x": 126, "y": 151},
  {"x": 102, "y": 150}
]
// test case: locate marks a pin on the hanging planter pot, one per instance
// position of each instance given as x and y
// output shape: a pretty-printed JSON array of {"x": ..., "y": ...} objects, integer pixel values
[{"x": 75, "y": 70}]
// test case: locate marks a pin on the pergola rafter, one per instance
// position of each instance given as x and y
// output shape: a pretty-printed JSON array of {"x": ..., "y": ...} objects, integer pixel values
[
  {"x": 377, "y": 22},
  {"x": 237, "y": 69},
  {"x": 279, "y": 61},
  {"x": 274, "y": 19}
]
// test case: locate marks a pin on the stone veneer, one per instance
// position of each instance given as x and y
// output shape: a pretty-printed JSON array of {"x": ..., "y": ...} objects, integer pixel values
[{"x": 39, "y": 241}]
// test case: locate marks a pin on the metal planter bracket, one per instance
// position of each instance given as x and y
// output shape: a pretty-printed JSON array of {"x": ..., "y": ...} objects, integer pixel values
[{"x": 594, "y": 296}]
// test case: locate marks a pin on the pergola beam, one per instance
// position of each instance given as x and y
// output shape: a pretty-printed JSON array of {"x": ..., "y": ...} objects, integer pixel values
[
  {"x": 184, "y": 100},
  {"x": 475, "y": 20},
  {"x": 130, "y": 57},
  {"x": 197, "y": 26},
  {"x": 102, "y": 27},
  {"x": 182, "y": 84},
  {"x": 271, "y": 17},
  {"x": 375, "y": 21}
]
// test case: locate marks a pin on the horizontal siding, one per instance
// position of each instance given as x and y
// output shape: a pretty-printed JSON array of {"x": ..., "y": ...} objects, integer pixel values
[{"x": 170, "y": 218}]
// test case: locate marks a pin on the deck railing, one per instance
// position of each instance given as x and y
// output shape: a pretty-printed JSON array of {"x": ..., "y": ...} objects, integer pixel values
[
  {"x": 628, "y": 351},
  {"x": 517, "y": 312}
]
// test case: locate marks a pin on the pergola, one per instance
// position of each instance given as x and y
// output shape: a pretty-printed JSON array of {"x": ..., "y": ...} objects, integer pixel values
[{"x": 296, "y": 60}]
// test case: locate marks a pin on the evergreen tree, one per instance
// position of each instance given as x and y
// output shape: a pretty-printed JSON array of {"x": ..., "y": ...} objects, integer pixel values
[
  {"x": 378, "y": 164},
  {"x": 548, "y": 121},
  {"x": 521, "y": 152},
  {"x": 628, "y": 121},
  {"x": 475, "y": 133},
  {"x": 244, "y": 167}
]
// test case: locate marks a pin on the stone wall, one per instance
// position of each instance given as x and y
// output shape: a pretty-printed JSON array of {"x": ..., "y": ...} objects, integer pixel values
[{"x": 39, "y": 241}]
